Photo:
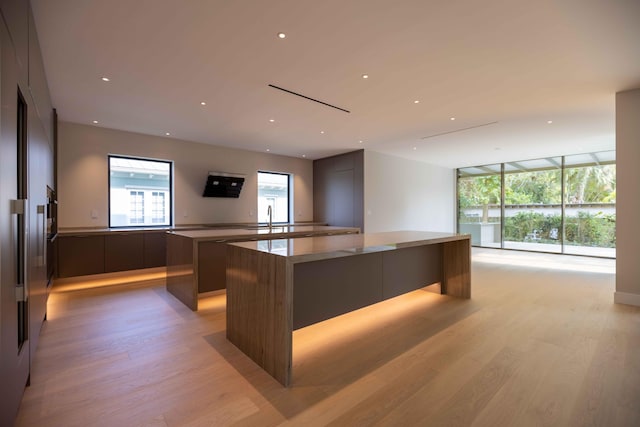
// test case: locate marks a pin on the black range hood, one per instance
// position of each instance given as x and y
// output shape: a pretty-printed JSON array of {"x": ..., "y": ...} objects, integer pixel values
[{"x": 223, "y": 185}]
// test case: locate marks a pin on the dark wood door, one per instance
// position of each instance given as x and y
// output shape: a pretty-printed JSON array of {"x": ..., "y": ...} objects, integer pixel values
[
  {"x": 123, "y": 252},
  {"x": 14, "y": 331},
  {"x": 80, "y": 255}
]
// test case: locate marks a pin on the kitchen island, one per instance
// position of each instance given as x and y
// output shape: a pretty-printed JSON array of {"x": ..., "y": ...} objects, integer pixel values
[
  {"x": 277, "y": 286},
  {"x": 196, "y": 259}
]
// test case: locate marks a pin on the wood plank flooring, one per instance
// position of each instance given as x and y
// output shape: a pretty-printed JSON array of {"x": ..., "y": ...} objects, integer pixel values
[{"x": 540, "y": 343}]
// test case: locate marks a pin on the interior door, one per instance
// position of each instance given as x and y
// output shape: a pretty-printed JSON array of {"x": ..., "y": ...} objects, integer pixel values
[{"x": 14, "y": 310}]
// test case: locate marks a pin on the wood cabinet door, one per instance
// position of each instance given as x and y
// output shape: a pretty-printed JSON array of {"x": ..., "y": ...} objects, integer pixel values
[
  {"x": 123, "y": 252},
  {"x": 155, "y": 249},
  {"x": 80, "y": 255}
]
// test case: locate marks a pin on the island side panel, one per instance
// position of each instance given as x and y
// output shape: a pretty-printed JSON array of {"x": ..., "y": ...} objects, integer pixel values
[
  {"x": 212, "y": 267},
  {"x": 456, "y": 266},
  {"x": 181, "y": 280},
  {"x": 259, "y": 312}
]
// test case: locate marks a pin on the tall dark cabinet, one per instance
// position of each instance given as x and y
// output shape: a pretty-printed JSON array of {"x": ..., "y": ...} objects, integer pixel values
[
  {"x": 27, "y": 160},
  {"x": 338, "y": 190}
]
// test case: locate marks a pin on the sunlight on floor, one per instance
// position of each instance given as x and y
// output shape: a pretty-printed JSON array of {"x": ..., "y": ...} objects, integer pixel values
[{"x": 540, "y": 260}]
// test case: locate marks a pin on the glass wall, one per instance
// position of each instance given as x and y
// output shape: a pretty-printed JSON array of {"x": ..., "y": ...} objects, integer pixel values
[
  {"x": 479, "y": 200},
  {"x": 556, "y": 204},
  {"x": 533, "y": 205},
  {"x": 590, "y": 204}
]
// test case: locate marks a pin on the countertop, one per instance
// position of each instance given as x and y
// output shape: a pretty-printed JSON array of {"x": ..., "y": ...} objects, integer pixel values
[
  {"x": 276, "y": 232},
  {"x": 82, "y": 231},
  {"x": 326, "y": 247}
]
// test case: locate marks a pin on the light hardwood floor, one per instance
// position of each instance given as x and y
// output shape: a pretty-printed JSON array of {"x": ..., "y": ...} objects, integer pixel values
[{"x": 540, "y": 343}]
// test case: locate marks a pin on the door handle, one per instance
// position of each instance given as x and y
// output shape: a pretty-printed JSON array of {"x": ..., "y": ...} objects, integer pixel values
[
  {"x": 42, "y": 239},
  {"x": 19, "y": 208}
]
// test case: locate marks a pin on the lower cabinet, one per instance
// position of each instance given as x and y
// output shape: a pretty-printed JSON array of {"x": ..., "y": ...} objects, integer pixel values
[
  {"x": 123, "y": 252},
  {"x": 155, "y": 249},
  {"x": 107, "y": 253},
  {"x": 80, "y": 255}
]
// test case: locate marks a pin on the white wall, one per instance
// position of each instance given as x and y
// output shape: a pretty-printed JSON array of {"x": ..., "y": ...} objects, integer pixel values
[
  {"x": 83, "y": 176},
  {"x": 628, "y": 197},
  {"x": 402, "y": 194}
]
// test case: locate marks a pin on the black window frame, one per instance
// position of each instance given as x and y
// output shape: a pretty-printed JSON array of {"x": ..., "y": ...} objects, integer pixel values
[
  {"x": 289, "y": 193},
  {"x": 170, "y": 190}
]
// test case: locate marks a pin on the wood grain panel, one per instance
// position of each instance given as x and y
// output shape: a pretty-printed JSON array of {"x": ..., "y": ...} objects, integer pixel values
[
  {"x": 123, "y": 252},
  {"x": 181, "y": 281},
  {"x": 212, "y": 268},
  {"x": 80, "y": 255},
  {"x": 155, "y": 249},
  {"x": 456, "y": 258},
  {"x": 259, "y": 315}
]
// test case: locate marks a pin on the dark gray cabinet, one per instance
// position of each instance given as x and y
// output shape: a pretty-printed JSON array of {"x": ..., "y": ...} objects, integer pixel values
[
  {"x": 27, "y": 157},
  {"x": 338, "y": 190}
]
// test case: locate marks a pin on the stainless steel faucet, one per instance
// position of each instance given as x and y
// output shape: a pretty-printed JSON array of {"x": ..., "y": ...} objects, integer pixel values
[{"x": 270, "y": 213}]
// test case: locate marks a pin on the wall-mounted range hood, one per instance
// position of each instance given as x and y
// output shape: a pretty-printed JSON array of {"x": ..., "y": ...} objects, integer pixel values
[{"x": 222, "y": 184}]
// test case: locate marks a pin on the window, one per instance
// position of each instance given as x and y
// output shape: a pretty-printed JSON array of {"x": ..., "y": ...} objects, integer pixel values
[
  {"x": 136, "y": 213},
  {"x": 557, "y": 204},
  {"x": 273, "y": 190},
  {"x": 139, "y": 192},
  {"x": 158, "y": 207}
]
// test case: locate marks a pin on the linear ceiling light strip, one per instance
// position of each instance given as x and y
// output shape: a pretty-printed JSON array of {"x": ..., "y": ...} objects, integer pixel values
[
  {"x": 458, "y": 130},
  {"x": 309, "y": 98}
]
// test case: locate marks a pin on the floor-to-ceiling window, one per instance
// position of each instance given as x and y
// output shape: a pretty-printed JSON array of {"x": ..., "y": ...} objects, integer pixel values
[
  {"x": 479, "y": 201},
  {"x": 562, "y": 204},
  {"x": 533, "y": 205},
  {"x": 590, "y": 204}
]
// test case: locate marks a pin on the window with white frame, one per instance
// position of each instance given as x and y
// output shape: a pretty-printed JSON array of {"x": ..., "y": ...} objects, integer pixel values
[{"x": 139, "y": 192}]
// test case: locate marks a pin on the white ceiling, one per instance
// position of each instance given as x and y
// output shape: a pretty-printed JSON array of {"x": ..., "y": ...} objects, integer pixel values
[{"x": 518, "y": 63}]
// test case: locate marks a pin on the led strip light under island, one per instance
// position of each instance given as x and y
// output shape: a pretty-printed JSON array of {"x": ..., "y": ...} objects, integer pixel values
[{"x": 277, "y": 286}]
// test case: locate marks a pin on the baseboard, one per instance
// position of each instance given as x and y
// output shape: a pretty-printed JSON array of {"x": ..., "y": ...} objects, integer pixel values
[{"x": 626, "y": 298}]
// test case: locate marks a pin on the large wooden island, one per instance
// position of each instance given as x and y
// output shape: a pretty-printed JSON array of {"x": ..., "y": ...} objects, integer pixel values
[
  {"x": 277, "y": 286},
  {"x": 196, "y": 259}
]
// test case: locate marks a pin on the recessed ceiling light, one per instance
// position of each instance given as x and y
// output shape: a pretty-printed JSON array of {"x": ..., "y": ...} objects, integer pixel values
[
  {"x": 268, "y": 149},
  {"x": 360, "y": 142},
  {"x": 106, "y": 79},
  {"x": 415, "y": 148},
  {"x": 549, "y": 121},
  {"x": 365, "y": 76},
  {"x": 95, "y": 122},
  {"x": 321, "y": 131},
  {"x": 167, "y": 133},
  {"x": 304, "y": 155},
  {"x": 203, "y": 103},
  {"x": 452, "y": 118},
  {"x": 281, "y": 35},
  {"x": 272, "y": 120},
  {"x": 417, "y": 101}
]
